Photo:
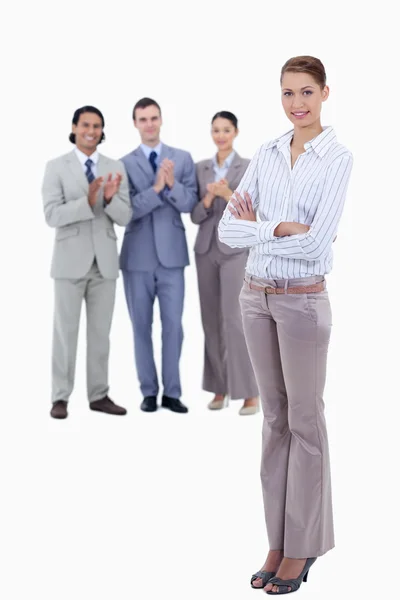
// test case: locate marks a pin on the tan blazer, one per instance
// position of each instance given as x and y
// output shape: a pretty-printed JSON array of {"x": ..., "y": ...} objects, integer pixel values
[
  {"x": 82, "y": 232},
  {"x": 208, "y": 219}
]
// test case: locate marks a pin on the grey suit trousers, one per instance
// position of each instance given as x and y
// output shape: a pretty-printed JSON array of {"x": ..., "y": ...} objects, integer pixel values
[
  {"x": 288, "y": 336},
  {"x": 99, "y": 294},
  {"x": 227, "y": 366}
]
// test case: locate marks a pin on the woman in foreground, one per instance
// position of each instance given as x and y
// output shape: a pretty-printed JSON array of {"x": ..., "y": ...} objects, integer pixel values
[{"x": 296, "y": 184}]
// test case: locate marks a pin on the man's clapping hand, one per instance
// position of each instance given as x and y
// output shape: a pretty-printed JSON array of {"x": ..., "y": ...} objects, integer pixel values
[
  {"x": 111, "y": 186},
  {"x": 94, "y": 188},
  {"x": 168, "y": 167}
]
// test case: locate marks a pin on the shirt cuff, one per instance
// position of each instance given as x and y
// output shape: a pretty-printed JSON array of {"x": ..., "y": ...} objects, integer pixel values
[
  {"x": 265, "y": 232},
  {"x": 262, "y": 248},
  {"x": 168, "y": 193}
]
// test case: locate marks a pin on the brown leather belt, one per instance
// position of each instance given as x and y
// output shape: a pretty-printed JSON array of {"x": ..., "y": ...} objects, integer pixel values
[{"x": 301, "y": 289}]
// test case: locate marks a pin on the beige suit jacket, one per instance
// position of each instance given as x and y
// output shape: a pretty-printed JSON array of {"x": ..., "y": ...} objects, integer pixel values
[{"x": 83, "y": 233}]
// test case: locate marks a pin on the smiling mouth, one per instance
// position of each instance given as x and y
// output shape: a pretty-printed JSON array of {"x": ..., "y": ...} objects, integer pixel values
[
  {"x": 300, "y": 114},
  {"x": 89, "y": 139}
]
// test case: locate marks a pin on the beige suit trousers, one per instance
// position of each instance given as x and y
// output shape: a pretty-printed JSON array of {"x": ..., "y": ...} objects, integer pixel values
[
  {"x": 99, "y": 295},
  {"x": 287, "y": 337}
]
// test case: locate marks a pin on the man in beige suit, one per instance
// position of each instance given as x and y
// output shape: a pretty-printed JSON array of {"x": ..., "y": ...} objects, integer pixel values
[{"x": 84, "y": 194}]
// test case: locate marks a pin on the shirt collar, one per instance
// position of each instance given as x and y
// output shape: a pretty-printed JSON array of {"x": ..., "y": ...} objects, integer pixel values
[
  {"x": 83, "y": 157},
  {"x": 227, "y": 163},
  {"x": 320, "y": 144},
  {"x": 147, "y": 150}
]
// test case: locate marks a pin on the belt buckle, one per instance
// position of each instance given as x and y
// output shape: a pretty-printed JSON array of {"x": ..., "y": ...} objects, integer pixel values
[{"x": 270, "y": 290}]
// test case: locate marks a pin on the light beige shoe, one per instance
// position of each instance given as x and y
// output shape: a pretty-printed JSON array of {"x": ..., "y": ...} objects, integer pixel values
[
  {"x": 249, "y": 410},
  {"x": 218, "y": 404}
]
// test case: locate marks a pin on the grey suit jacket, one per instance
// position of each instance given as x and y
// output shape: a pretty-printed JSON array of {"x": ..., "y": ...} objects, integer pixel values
[
  {"x": 156, "y": 233},
  {"x": 82, "y": 232},
  {"x": 208, "y": 219}
]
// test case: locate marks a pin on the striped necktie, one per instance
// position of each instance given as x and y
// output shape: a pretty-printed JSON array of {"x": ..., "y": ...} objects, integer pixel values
[{"x": 89, "y": 172}]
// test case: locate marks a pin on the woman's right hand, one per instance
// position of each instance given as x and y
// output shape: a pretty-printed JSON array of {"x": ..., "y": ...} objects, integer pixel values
[
  {"x": 209, "y": 197},
  {"x": 222, "y": 189}
]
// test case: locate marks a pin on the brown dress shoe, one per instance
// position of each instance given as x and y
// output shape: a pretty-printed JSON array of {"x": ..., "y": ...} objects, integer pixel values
[
  {"x": 59, "y": 410},
  {"x": 106, "y": 405}
]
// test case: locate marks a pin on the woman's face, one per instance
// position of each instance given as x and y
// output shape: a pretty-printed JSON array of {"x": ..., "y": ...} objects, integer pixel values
[
  {"x": 223, "y": 133},
  {"x": 302, "y": 98}
]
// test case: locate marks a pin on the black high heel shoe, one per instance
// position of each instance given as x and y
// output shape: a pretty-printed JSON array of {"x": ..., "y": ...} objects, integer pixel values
[
  {"x": 265, "y": 576},
  {"x": 294, "y": 584}
]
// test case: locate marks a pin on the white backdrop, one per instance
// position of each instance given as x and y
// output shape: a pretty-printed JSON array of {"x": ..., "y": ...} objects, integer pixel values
[{"x": 169, "y": 505}]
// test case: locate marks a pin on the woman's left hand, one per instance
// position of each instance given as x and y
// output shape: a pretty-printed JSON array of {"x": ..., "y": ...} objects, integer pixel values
[
  {"x": 221, "y": 188},
  {"x": 242, "y": 208}
]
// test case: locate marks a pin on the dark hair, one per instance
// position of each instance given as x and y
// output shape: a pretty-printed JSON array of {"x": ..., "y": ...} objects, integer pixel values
[
  {"x": 224, "y": 114},
  {"x": 78, "y": 113},
  {"x": 144, "y": 103},
  {"x": 306, "y": 64}
]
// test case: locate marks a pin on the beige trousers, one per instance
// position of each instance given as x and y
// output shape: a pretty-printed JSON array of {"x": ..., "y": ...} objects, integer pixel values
[
  {"x": 99, "y": 295},
  {"x": 287, "y": 337}
]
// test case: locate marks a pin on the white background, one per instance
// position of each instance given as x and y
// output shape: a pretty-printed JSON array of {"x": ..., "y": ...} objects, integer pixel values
[{"x": 167, "y": 505}]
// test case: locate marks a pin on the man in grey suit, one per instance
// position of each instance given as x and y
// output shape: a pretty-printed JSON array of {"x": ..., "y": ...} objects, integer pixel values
[
  {"x": 84, "y": 194},
  {"x": 154, "y": 253}
]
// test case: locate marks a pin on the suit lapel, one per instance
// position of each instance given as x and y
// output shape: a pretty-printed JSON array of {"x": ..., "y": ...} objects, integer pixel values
[
  {"x": 102, "y": 167},
  {"x": 208, "y": 174},
  {"x": 144, "y": 163},
  {"x": 233, "y": 172},
  {"x": 165, "y": 153},
  {"x": 77, "y": 171}
]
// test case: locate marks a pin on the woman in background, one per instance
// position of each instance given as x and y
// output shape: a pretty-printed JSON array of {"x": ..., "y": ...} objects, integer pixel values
[{"x": 220, "y": 270}]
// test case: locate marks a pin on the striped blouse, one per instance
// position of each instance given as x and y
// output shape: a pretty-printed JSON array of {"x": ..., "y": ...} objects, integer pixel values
[{"x": 312, "y": 193}]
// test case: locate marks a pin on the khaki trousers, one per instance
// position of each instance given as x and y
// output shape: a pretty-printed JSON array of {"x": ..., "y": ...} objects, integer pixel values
[
  {"x": 99, "y": 295},
  {"x": 287, "y": 337}
]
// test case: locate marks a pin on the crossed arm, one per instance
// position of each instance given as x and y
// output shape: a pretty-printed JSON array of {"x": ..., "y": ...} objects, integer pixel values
[{"x": 239, "y": 227}]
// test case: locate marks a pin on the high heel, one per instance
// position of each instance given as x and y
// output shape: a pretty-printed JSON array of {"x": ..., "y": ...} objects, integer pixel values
[
  {"x": 218, "y": 404},
  {"x": 250, "y": 410},
  {"x": 265, "y": 576},
  {"x": 293, "y": 584}
]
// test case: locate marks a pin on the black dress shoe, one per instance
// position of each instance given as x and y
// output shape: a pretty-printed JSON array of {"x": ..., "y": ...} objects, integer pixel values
[
  {"x": 149, "y": 404},
  {"x": 106, "y": 405},
  {"x": 174, "y": 404},
  {"x": 59, "y": 410}
]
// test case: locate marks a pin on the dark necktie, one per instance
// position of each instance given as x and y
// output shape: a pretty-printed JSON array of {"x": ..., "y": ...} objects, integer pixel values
[
  {"x": 152, "y": 159},
  {"x": 89, "y": 172}
]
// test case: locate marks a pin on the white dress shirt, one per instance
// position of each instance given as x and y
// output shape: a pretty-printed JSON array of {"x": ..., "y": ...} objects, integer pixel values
[
  {"x": 312, "y": 193},
  {"x": 220, "y": 172},
  {"x": 147, "y": 150},
  {"x": 83, "y": 158}
]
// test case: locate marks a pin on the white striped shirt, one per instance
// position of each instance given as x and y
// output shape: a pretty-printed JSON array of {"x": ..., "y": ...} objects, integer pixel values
[{"x": 312, "y": 193}]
